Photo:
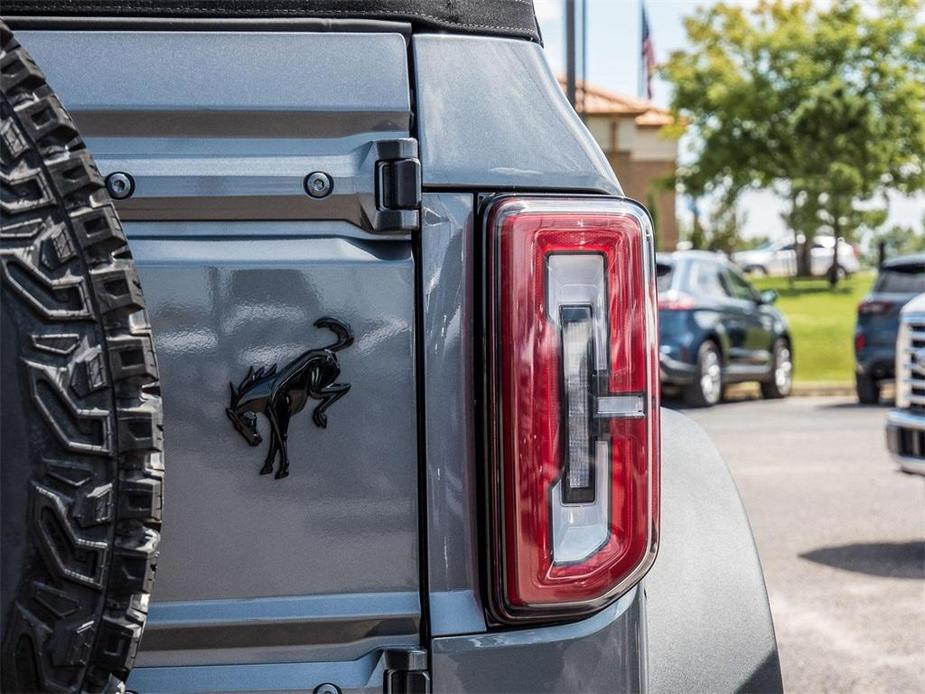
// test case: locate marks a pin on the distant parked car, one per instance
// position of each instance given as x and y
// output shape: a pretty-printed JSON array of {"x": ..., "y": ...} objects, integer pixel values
[
  {"x": 905, "y": 429},
  {"x": 779, "y": 258},
  {"x": 716, "y": 329},
  {"x": 899, "y": 281}
]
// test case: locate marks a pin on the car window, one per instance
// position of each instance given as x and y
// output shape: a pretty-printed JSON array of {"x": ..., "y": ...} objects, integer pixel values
[
  {"x": 902, "y": 279},
  {"x": 705, "y": 280},
  {"x": 663, "y": 273},
  {"x": 787, "y": 247},
  {"x": 739, "y": 287}
]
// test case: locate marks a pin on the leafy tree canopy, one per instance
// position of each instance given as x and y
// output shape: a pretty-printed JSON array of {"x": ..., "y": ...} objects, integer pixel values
[
  {"x": 721, "y": 232},
  {"x": 823, "y": 103},
  {"x": 899, "y": 239}
]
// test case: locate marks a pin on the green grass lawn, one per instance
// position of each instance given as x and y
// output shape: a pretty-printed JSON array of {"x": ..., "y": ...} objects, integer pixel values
[{"x": 822, "y": 324}]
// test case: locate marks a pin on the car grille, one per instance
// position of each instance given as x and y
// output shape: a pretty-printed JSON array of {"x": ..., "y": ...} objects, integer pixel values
[
  {"x": 911, "y": 443},
  {"x": 911, "y": 360}
]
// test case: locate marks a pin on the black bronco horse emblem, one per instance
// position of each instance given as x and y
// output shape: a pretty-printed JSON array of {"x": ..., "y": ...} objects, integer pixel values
[{"x": 279, "y": 394}]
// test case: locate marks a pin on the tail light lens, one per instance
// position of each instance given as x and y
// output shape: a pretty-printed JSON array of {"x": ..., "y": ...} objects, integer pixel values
[
  {"x": 572, "y": 404},
  {"x": 673, "y": 300},
  {"x": 874, "y": 308}
]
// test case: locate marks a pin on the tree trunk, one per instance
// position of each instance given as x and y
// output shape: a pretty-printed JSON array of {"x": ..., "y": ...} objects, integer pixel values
[
  {"x": 833, "y": 270},
  {"x": 804, "y": 256}
]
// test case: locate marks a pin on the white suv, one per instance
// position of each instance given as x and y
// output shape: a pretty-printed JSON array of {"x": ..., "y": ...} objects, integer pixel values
[{"x": 779, "y": 259}]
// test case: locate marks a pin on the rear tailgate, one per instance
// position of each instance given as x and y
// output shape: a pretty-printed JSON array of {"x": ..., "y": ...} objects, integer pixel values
[{"x": 317, "y": 571}]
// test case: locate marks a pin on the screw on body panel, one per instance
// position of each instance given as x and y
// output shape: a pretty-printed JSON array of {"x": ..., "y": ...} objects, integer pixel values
[
  {"x": 120, "y": 185},
  {"x": 326, "y": 688},
  {"x": 318, "y": 184}
]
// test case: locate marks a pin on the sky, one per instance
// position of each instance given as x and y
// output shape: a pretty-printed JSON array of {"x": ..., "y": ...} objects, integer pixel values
[{"x": 614, "y": 28}]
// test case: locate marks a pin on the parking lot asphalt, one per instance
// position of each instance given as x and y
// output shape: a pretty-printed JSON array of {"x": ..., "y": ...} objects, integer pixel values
[{"x": 841, "y": 535}]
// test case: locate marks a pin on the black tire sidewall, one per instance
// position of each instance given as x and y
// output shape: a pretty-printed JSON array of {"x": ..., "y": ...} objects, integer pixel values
[
  {"x": 693, "y": 393},
  {"x": 769, "y": 388},
  {"x": 867, "y": 389}
]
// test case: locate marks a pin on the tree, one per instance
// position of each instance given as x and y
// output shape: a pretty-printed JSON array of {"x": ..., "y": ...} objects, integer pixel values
[
  {"x": 898, "y": 239},
  {"x": 824, "y": 104},
  {"x": 721, "y": 233}
]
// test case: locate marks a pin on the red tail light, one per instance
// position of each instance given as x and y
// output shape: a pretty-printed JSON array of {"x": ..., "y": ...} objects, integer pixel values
[
  {"x": 874, "y": 308},
  {"x": 573, "y": 404},
  {"x": 673, "y": 300}
]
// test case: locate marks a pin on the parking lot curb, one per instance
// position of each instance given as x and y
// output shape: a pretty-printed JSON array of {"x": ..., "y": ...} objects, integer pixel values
[
  {"x": 816, "y": 389},
  {"x": 749, "y": 391}
]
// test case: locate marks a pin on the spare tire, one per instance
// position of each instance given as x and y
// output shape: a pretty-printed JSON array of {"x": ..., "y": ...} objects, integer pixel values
[{"x": 81, "y": 469}]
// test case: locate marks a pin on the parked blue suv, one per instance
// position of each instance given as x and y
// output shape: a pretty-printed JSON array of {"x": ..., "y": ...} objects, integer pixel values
[
  {"x": 716, "y": 329},
  {"x": 899, "y": 281}
]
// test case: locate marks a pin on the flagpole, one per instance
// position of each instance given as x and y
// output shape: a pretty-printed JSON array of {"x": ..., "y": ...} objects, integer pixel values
[
  {"x": 570, "y": 51},
  {"x": 640, "y": 73},
  {"x": 584, "y": 56}
]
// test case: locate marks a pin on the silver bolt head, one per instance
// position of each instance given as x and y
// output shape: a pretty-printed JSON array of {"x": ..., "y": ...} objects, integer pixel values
[
  {"x": 318, "y": 184},
  {"x": 327, "y": 688},
  {"x": 120, "y": 185}
]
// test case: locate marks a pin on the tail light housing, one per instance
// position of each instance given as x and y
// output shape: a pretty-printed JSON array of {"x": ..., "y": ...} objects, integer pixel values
[{"x": 572, "y": 404}]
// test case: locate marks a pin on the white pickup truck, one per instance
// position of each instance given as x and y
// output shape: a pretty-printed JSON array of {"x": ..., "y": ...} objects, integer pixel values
[{"x": 905, "y": 429}]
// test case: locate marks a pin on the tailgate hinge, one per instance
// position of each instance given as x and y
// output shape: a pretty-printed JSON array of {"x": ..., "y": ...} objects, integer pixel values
[
  {"x": 406, "y": 672},
  {"x": 398, "y": 185}
]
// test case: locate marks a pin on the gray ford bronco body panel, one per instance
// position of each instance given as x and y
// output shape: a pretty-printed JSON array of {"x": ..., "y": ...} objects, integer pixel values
[{"x": 372, "y": 543}]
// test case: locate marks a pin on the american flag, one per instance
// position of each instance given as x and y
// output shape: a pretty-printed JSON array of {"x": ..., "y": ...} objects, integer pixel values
[{"x": 648, "y": 53}]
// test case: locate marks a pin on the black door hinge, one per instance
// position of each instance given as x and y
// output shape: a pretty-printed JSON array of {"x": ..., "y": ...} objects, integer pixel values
[
  {"x": 398, "y": 185},
  {"x": 406, "y": 672}
]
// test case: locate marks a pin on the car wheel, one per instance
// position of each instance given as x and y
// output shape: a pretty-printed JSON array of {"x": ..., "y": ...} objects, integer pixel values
[
  {"x": 840, "y": 273},
  {"x": 868, "y": 390},
  {"x": 707, "y": 388},
  {"x": 781, "y": 382},
  {"x": 81, "y": 418}
]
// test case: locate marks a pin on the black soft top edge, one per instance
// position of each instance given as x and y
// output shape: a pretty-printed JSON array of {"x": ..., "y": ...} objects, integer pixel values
[{"x": 512, "y": 18}]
